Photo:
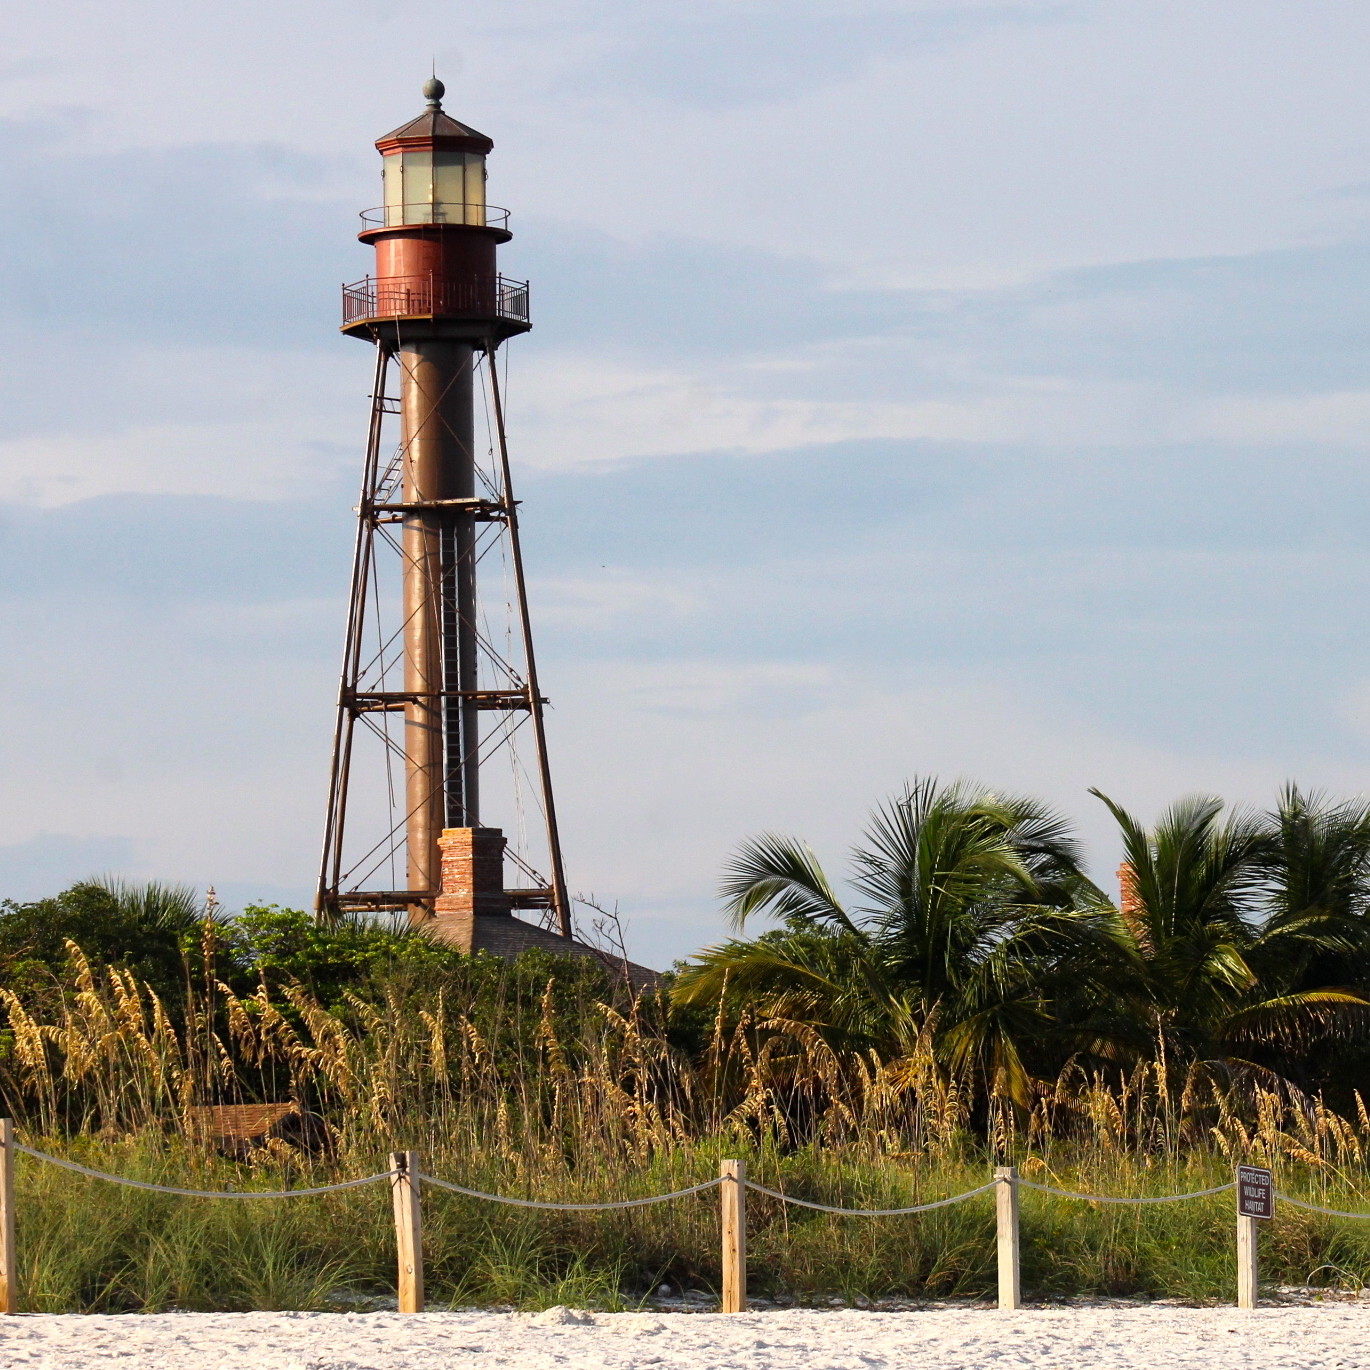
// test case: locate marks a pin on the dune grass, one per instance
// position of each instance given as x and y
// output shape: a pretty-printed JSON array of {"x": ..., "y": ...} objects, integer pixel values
[{"x": 523, "y": 1083}]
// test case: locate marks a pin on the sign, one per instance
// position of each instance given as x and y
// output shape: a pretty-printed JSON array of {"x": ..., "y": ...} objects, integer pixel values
[{"x": 1255, "y": 1192}]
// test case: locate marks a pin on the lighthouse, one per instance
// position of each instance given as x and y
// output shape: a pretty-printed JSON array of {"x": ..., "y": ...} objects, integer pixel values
[{"x": 439, "y": 685}]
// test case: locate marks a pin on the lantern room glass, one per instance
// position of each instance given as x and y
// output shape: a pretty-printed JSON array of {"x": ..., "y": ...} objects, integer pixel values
[{"x": 427, "y": 187}]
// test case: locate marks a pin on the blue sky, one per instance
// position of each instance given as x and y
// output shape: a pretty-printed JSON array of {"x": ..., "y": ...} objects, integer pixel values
[{"x": 960, "y": 388}]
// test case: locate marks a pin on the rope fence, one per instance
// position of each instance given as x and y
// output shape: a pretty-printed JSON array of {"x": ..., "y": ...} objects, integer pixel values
[
  {"x": 870, "y": 1212},
  {"x": 200, "y": 1193},
  {"x": 571, "y": 1208},
  {"x": 1256, "y": 1198},
  {"x": 1124, "y": 1199},
  {"x": 1317, "y": 1208}
]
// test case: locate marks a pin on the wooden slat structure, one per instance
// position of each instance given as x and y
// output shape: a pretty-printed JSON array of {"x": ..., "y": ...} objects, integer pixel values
[{"x": 239, "y": 1128}]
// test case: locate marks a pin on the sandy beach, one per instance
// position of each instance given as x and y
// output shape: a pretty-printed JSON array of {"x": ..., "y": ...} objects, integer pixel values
[{"x": 962, "y": 1339}]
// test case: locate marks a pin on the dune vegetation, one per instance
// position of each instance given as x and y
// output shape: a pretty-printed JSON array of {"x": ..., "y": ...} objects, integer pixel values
[{"x": 968, "y": 998}]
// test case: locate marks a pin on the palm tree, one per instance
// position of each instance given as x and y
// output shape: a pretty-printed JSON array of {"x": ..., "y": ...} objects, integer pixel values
[
  {"x": 1315, "y": 922},
  {"x": 968, "y": 910},
  {"x": 1318, "y": 869},
  {"x": 1218, "y": 933}
]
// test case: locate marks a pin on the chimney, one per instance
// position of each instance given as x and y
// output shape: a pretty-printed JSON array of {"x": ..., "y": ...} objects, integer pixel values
[
  {"x": 472, "y": 863},
  {"x": 1129, "y": 903}
]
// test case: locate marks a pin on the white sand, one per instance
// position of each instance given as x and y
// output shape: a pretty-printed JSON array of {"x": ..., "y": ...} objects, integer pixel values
[{"x": 962, "y": 1339}]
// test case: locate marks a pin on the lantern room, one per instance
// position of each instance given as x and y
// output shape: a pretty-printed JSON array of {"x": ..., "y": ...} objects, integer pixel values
[
  {"x": 435, "y": 236},
  {"x": 433, "y": 170}
]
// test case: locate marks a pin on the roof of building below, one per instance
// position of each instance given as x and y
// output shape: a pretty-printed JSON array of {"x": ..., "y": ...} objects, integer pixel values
[{"x": 506, "y": 937}]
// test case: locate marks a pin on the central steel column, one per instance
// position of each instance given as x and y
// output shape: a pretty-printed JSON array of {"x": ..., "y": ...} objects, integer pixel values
[{"x": 440, "y": 723}]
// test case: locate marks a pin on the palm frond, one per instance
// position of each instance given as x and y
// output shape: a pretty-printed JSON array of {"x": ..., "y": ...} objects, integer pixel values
[
  {"x": 1295, "y": 1021},
  {"x": 782, "y": 877}
]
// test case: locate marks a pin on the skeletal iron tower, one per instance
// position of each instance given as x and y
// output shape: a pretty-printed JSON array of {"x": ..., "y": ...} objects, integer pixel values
[{"x": 437, "y": 677}]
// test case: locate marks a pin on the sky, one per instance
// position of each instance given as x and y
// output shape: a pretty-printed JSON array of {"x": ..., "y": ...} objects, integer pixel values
[{"x": 976, "y": 388}]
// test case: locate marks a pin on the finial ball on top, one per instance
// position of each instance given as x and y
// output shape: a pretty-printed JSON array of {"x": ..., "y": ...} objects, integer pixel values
[{"x": 433, "y": 91}]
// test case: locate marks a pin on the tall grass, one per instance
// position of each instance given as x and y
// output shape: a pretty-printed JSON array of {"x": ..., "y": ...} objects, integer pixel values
[{"x": 533, "y": 1081}]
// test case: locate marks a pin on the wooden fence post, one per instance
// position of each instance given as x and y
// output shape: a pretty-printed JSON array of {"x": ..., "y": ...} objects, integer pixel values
[
  {"x": 9, "y": 1271},
  {"x": 1248, "y": 1271},
  {"x": 1006, "y": 1224},
  {"x": 733, "y": 1213},
  {"x": 404, "y": 1191}
]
